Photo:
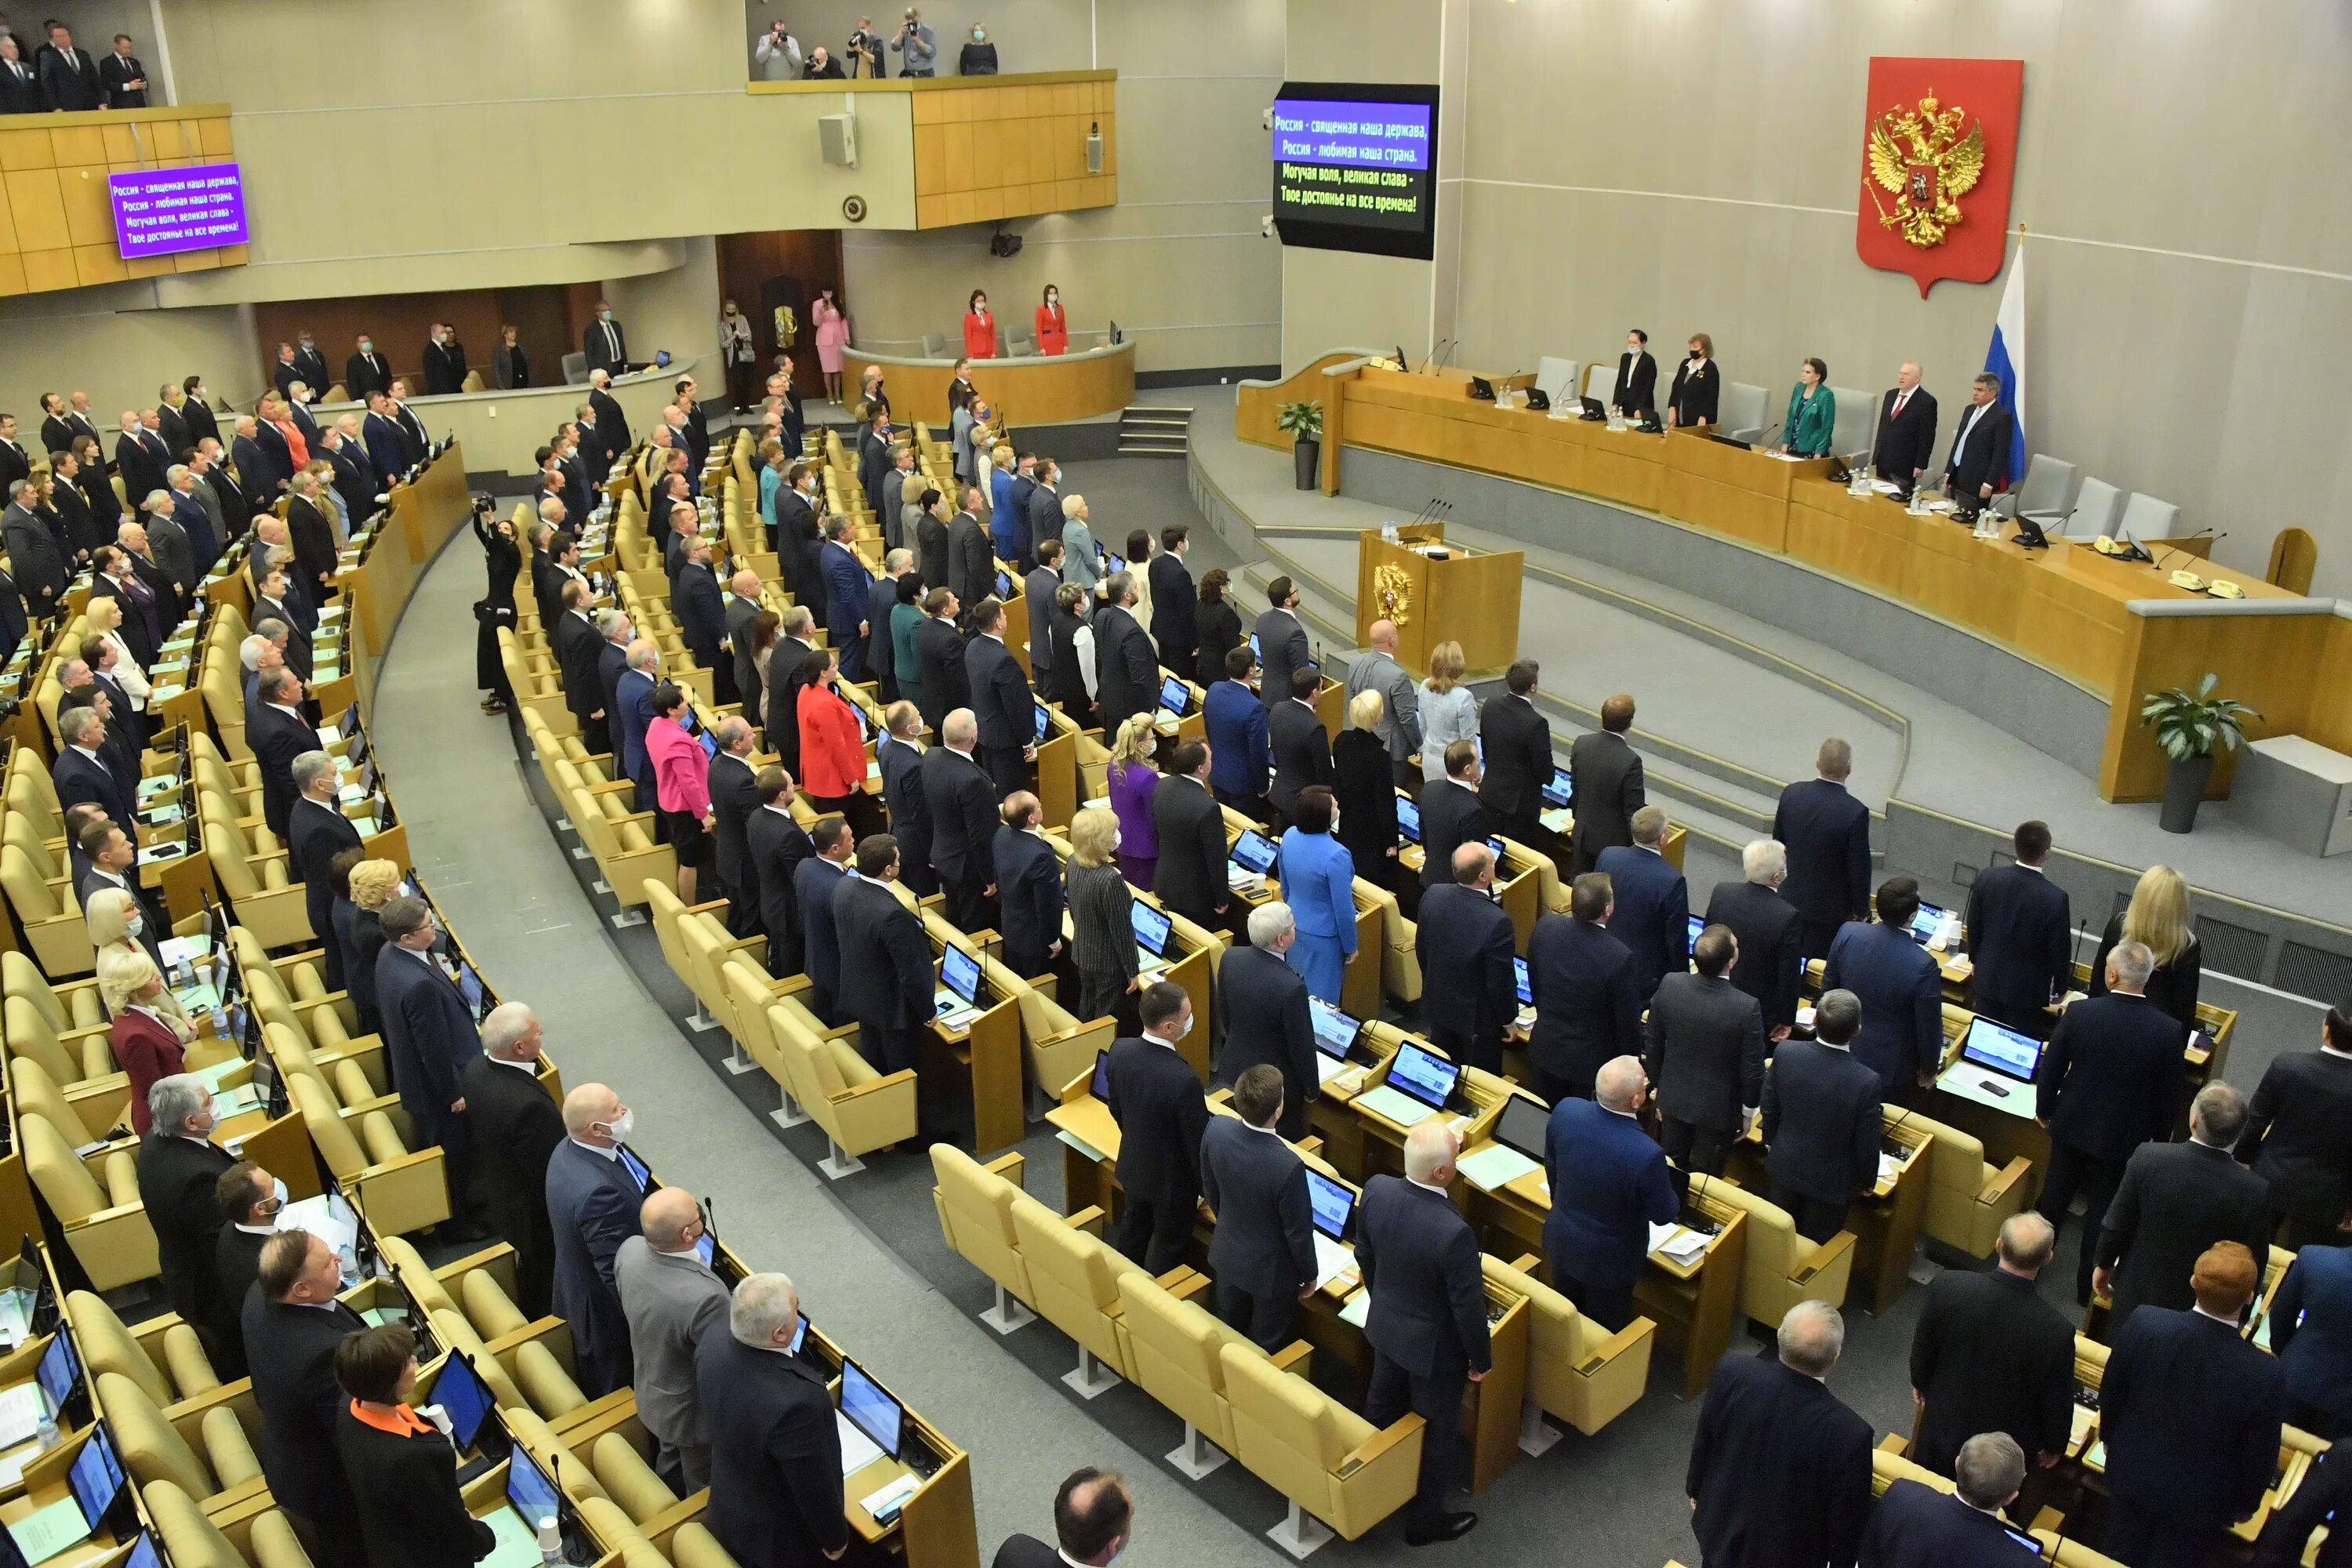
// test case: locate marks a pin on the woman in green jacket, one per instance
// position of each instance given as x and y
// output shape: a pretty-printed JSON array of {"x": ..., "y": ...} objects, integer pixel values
[
  {"x": 905, "y": 617},
  {"x": 1812, "y": 413}
]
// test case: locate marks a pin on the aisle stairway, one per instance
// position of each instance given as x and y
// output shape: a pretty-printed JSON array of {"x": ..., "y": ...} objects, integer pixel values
[{"x": 1147, "y": 430}]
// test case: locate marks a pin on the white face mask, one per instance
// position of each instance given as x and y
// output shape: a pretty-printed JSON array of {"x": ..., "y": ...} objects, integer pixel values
[
  {"x": 621, "y": 1126},
  {"x": 137, "y": 924},
  {"x": 1184, "y": 1028}
]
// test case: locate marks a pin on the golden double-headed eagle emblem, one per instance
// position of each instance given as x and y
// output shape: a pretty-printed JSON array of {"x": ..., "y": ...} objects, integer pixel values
[
  {"x": 1392, "y": 591},
  {"x": 1927, "y": 158}
]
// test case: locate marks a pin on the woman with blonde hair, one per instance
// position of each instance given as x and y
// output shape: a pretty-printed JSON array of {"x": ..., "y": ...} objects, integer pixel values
[
  {"x": 1366, "y": 787},
  {"x": 1102, "y": 932},
  {"x": 105, "y": 618},
  {"x": 116, "y": 923},
  {"x": 2157, "y": 918},
  {"x": 1133, "y": 781},
  {"x": 372, "y": 883},
  {"x": 1449, "y": 712},
  {"x": 151, "y": 1034}
]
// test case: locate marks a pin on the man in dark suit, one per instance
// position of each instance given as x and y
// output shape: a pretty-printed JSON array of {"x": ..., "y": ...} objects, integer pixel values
[
  {"x": 1822, "y": 1122},
  {"x": 1190, "y": 877},
  {"x": 1915, "y": 1526},
  {"x": 2323, "y": 1497},
  {"x": 2019, "y": 937},
  {"x": 1780, "y": 1470},
  {"x": 2108, "y": 1082},
  {"x": 702, "y": 615},
  {"x": 367, "y": 372},
  {"x": 444, "y": 362},
  {"x": 605, "y": 344},
  {"x": 1452, "y": 814},
  {"x": 1990, "y": 1355},
  {"x": 592, "y": 1208},
  {"x": 964, "y": 810},
  {"x": 1426, "y": 1324},
  {"x": 939, "y": 654},
  {"x": 1518, "y": 740},
  {"x": 293, "y": 1324},
  {"x": 901, "y": 762},
  {"x": 1902, "y": 994},
  {"x": 2298, "y": 1136},
  {"x": 734, "y": 798},
  {"x": 69, "y": 76},
  {"x": 1904, "y": 442},
  {"x": 776, "y": 1496},
  {"x": 1651, "y": 903},
  {"x": 1267, "y": 1013},
  {"x": 1469, "y": 998},
  {"x": 1282, "y": 646},
  {"x": 1604, "y": 785},
  {"x": 1003, "y": 707},
  {"x": 1301, "y": 749},
  {"x": 1028, "y": 888},
  {"x": 515, "y": 1128},
  {"x": 1175, "y": 604},
  {"x": 140, "y": 461},
  {"x": 1978, "y": 464},
  {"x": 887, "y": 977},
  {"x": 2175, "y": 1201},
  {"x": 815, "y": 881},
  {"x": 1157, "y": 1101},
  {"x": 318, "y": 831},
  {"x": 1636, "y": 390},
  {"x": 1581, "y": 979},
  {"x": 249, "y": 1201},
  {"x": 777, "y": 844},
  {"x": 34, "y": 556},
  {"x": 576, "y": 644},
  {"x": 429, "y": 1037},
  {"x": 1705, "y": 1053},
  {"x": 2191, "y": 1413},
  {"x": 1093, "y": 1515},
  {"x": 1609, "y": 1184},
  {"x": 1127, "y": 666},
  {"x": 278, "y": 733},
  {"x": 612, "y": 424},
  {"x": 1262, "y": 1253},
  {"x": 1767, "y": 925},
  {"x": 972, "y": 560},
  {"x": 83, "y": 771},
  {"x": 180, "y": 1169},
  {"x": 380, "y": 433},
  {"x": 881, "y": 598},
  {"x": 1044, "y": 504},
  {"x": 1826, "y": 833},
  {"x": 20, "y": 93}
]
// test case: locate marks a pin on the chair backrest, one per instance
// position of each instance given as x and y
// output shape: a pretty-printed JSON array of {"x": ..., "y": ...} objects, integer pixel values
[
  {"x": 1177, "y": 1349},
  {"x": 1599, "y": 378},
  {"x": 2146, "y": 518},
  {"x": 1743, "y": 406},
  {"x": 632, "y": 1484},
  {"x": 23, "y": 835},
  {"x": 1856, "y": 411},
  {"x": 1556, "y": 378},
  {"x": 415, "y": 1274},
  {"x": 152, "y": 1449},
  {"x": 1292, "y": 1434},
  {"x": 20, "y": 976},
  {"x": 106, "y": 1345},
  {"x": 576, "y": 368},
  {"x": 192, "y": 1539},
  {"x": 65, "y": 1182},
  {"x": 976, "y": 1217},
  {"x": 32, "y": 1040},
  {"x": 2049, "y": 484},
  {"x": 36, "y": 1092},
  {"x": 2096, "y": 506},
  {"x": 2294, "y": 555},
  {"x": 1771, "y": 1250},
  {"x": 336, "y": 1143},
  {"x": 20, "y": 879},
  {"x": 1074, "y": 1275}
]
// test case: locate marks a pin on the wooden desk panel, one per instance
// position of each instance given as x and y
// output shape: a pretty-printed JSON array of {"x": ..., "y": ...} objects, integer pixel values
[
  {"x": 1042, "y": 389},
  {"x": 1731, "y": 490}
]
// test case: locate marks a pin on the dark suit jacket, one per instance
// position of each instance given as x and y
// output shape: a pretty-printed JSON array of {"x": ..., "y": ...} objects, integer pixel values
[
  {"x": 1518, "y": 741},
  {"x": 1452, "y": 815},
  {"x": 1609, "y": 1184},
  {"x": 1282, "y": 649},
  {"x": 576, "y": 650},
  {"x": 2173, "y": 986},
  {"x": 2110, "y": 1079},
  {"x": 775, "y": 1455},
  {"x": 1175, "y": 612},
  {"x": 1419, "y": 1258},
  {"x": 963, "y": 805},
  {"x": 1157, "y": 1101},
  {"x": 1902, "y": 995},
  {"x": 1466, "y": 945},
  {"x": 1127, "y": 667},
  {"x": 606, "y": 347},
  {"x": 1984, "y": 459},
  {"x": 79, "y": 780},
  {"x": 902, "y": 791},
  {"x": 1238, "y": 750},
  {"x": 1822, "y": 1122},
  {"x": 733, "y": 799},
  {"x": 1915, "y": 1526},
  {"x": 1257, "y": 1185},
  {"x": 778, "y": 846},
  {"x": 1302, "y": 756},
  {"x": 387, "y": 448},
  {"x": 73, "y": 86},
  {"x": 1028, "y": 876},
  {"x": 277, "y": 739},
  {"x": 2191, "y": 1413},
  {"x": 938, "y": 655},
  {"x": 1605, "y": 791},
  {"x": 2021, "y": 940},
  {"x": 1990, "y": 1355},
  {"x": 814, "y": 881},
  {"x": 886, "y": 978},
  {"x": 445, "y": 368},
  {"x": 612, "y": 424},
  {"x": 1766, "y": 926},
  {"x": 1779, "y": 1470},
  {"x": 2325, "y": 1493},
  {"x": 1263, "y": 1002},
  {"x": 292, "y": 1348},
  {"x": 1000, "y": 695},
  {"x": 516, "y": 1127},
  {"x": 20, "y": 93},
  {"x": 1653, "y": 913},
  {"x": 35, "y": 560},
  {"x": 405, "y": 1489},
  {"x": 1636, "y": 390},
  {"x": 2298, "y": 1136},
  {"x": 1043, "y": 509},
  {"x": 365, "y": 373},
  {"x": 1697, "y": 391},
  {"x": 2311, "y": 1327},
  {"x": 1826, "y": 832},
  {"x": 429, "y": 1034},
  {"x": 592, "y": 1208},
  {"x": 971, "y": 560},
  {"x": 319, "y": 833},
  {"x": 701, "y": 615},
  {"x": 237, "y": 1263},
  {"x": 1586, "y": 1008},
  {"x": 176, "y": 1177},
  {"x": 1191, "y": 875},
  {"x": 1905, "y": 444},
  {"x": 1025, "y": 1552},
  {"x": 1705, "y": 1051},
  {"x": 2177, "y": 1200}
]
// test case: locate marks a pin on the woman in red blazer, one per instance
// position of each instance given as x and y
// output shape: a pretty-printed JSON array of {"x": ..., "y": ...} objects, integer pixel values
[
  {"x": 833, "y": 746},
  {"x": 1053, "y": 326},
  {"x": 979, "y": 328},
  {"x": 148, "y": 1044}
]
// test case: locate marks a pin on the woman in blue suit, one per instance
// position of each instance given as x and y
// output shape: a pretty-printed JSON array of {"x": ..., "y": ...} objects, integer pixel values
[{"x": 1319, "y": 883}]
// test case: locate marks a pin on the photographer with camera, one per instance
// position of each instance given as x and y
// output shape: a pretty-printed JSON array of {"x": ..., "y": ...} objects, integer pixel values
[
  {"x": 862, "y": 53},
  {"x": 776, "y": 57},
  {"x": 918, "y": 46}
]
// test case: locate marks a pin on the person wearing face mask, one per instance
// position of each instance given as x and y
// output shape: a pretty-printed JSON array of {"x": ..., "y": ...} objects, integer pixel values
[
  {"x": 367, "y": 372},
  {"x": 1162, "y": 1111},
  {"x": 179, "y": 1171},
  {"x": 444, "y": 362},
  {"x": 671, "y": 1299},
  {"x": 1636, "y": 390},
  {"x": 429, "y": 1037},
  {"x": 1698, "y": 384},
  {"x": 149, "y": 1044},
  {"x": 979, "y": 328},
  {"x": 1053, "y": 325},
  {"x": 607, "y": 346},
  {"x": 249, "y": 1199},
  {"x": 516, "y": 1127},
  {"x": 592, "y": 1208},
  {"x": 979, "y": 56}
]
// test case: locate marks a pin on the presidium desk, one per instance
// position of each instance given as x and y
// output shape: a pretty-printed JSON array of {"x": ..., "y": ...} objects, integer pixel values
[{"x": 2116, "y": 628}]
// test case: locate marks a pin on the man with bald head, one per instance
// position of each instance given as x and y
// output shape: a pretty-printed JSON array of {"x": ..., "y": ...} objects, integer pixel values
[
  {"x": 592, "y": 1207},
  {"x": 775, "y": 1462},
  {"x": 1780, "y": 1470},
  {"x": 1609, "y": 1184},
  {"x": 734, "y": 796},
  {"x": 515, "y": 1128},
  {"x": 292, "y": 1325},
  {"x": 1377, "y": 669},
  {"x": 1094, "y": 1514},
  {"x": 1904, "y": 442},
  {"x": 1469, "y": 997},
  {"x": 670, "y": 1297}
]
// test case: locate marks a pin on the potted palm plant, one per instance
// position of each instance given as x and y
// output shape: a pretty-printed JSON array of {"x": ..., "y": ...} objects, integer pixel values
[
  {"x": 2191, "y": 727},
  {"x": 1304, "y": 423}
]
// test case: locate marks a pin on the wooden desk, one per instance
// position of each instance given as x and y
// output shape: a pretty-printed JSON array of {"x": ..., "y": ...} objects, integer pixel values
[
  {"x": 1885, "y": 1221},
  {"x": 986, "y": 1052},
  {"x": 1049, "y": 389},
  {"x": 1732, "y": 489},
  {"x": 1464, "y": 596}
]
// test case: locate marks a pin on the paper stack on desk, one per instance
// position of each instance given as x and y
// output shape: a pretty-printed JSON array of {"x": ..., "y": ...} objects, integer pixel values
[
  {"x": 1889, "y": 1168},
  {"x": 858, "y": 1450},
  {"x": 1495, "y": 1166},
  {"x": 1678, "y": 1242}
]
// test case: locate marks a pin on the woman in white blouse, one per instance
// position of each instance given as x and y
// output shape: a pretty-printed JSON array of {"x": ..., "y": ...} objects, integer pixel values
[
  {"x": 1449, "y": 709},
  {"x": 105, "y": 619}
]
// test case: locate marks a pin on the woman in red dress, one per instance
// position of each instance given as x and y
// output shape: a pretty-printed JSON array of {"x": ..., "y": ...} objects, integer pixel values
[
  {"x": 1053, "y": 326},
  {"x": 979, "y": 328}
]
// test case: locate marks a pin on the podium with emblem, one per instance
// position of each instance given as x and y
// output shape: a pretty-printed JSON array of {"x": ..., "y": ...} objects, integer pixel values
[{"x": 1436, "y": 593}]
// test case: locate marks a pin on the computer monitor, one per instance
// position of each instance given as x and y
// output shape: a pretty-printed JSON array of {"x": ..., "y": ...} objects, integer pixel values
[
  {"x": 1253, "y": 852},
  {"x": 460, "y": 1392},
  {"x": 960, "y": 971},
  {"x": 350, "y": 722},
  {"x": 1044, "y": 722},
  {"x": 1335, "y": 1032},
  {"x": 1175, "y": 695},
  {"x": 1099, "y": 1085},
  {"x": 710, "y": 743},
  {"x": 96, "y": 1479},
  {"x": 1522, "y": 1126},
  {"x": 1150, "y": 929},
  {"x": 870, "y": 1408},
  {"x": 639, "y": 1170},
  {"x": 2002, "y": 1049},
  {"x": 533, "y": 1495},
  {"x": 1494, "y": 847},
  {"x": 1557, "y": 788},
  {"x": 1255, "y": 652},
  {"x": 470, "y": 986},
  {"x": 144, "y": 1553},
  {"x": 1697, "y": 924},
  {"x": 1005, "y": 585},
  {"x": 1427, "y": 1077},
  {"x": 59, "y": 1372},
  {"x": 1925, "y": 922},
  {"x": 1331, "y": 1204},
  {"x": 1408, "y": 819},
  {"x": 1519, "y": 978}
]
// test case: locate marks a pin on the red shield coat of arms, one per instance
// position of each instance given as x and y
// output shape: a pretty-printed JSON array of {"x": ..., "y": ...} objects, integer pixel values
[{"x": 1938, "y": 154}]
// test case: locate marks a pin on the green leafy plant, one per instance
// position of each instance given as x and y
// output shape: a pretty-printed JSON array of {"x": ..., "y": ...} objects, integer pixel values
[
  {"x": 1301, "y": 421},
  {"x": 2191, "y": 725}
]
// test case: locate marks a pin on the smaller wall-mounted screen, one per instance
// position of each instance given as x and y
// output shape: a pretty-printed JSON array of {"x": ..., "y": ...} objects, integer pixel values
[
  {"x": 1355, "y": 167},
  {"x": 160, "y": 211}
]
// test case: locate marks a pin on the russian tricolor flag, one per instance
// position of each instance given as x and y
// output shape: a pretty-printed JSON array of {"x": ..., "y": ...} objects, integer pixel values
[{"x": 2006, "y": 359}]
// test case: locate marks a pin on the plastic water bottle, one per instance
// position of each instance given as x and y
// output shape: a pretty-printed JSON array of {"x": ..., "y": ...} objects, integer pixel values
[
  {"x": 550, "y": 1542},
  {"x": 46, "y": 1434},
  {"x": 348, "y": 1263}
]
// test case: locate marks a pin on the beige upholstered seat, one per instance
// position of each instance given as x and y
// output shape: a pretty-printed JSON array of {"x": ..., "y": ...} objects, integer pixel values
[
  {"x": 975, "y": 1205},
  {"x": 154, "y": 1450},
  {"x": 106, "y": 1225},
  {"x": 108, "y": 1346},
  {"x": 1074, "y": 1277},
  {"x": 1331, "y": 1463},
  {"x": 1576, "y": 1370},
  {"x": 1781, "y": 1267},
  {"x": 194, "y": 1542},
  {"x": 1968, "y": 1198}
]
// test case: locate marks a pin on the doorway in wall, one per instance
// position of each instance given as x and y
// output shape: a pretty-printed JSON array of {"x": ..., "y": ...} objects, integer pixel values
[{"x": 786, "y": 269}]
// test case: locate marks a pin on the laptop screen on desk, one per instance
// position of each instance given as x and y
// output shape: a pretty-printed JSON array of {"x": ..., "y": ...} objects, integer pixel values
[
  {"x": 1519, "y": 974},
  {"x": 1522, "y": 1126},
  {"x": 527, "y": 1488},
  {"x": 96, "y": 1477},
  {"x": 1253, "y": 851},
  {"x": 1150, "y": 929},
  {"x": 459, "y": 1391},
  {"x": 1429, "y": 1079},
  {"x": 1555, "y": 789},
  {"x": 1045, "y": 723},
  {"x": 1697, "y": 924},
  {"x": 1334, "y": 1030},
  {"x": 1408, "y": 819},
  {"x": 1332, "y": 1202},
  {"x": 872, "y": 1411},
  {"x": 1924, "y": 923},
  {"x": 960, "y": 970},
  {"x": 1175, "y": 695},
  {"x": 2003, "y": 1050},
  {"x": 1100, "y": 1084},
  {"x": 59, "y": 1370}
]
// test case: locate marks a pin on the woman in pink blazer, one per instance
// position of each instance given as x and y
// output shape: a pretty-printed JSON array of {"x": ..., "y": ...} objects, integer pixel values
[{"x": 681, "y": 785}]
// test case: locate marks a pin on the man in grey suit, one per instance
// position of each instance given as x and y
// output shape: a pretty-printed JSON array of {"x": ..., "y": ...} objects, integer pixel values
[
  {"x": 1262, "y": 1253},
  {"x": 1705, "y": 1053},
  {"x": 1605, "y": 786},
  {"x": 1282, "y": 647},
  {"x": 670, "y": 1296},
  {"x": 1400, "y": 725}
]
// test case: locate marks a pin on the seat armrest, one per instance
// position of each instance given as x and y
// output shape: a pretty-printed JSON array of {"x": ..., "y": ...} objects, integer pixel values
[
  {"x": 1616, "y": 1345},
  {"x": 1011, "y": 1166},
  {"x": 1380, "y": 1444},
  {"x": 1827, "y": 1254},
  {"x": 1526, "y": 1263},
  {"x": 705, "y": 908},
  {"x": 1997, "y": 1190},
  {"x": 1089, "y": 1219},
  {"x": 1293, "y": 1358},
  {"x": 880, "y": 1085}
]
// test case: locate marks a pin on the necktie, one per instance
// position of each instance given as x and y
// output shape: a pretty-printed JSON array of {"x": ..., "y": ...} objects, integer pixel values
[{"x": 1900, "y": 399}]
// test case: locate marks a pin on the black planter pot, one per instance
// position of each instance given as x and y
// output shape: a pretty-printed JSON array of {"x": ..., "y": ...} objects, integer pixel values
[
  {"x": 2184, "y": 790},
  {"x": 1309, "y": 455}
]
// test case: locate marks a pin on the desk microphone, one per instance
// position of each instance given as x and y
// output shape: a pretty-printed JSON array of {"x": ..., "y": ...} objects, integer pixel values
[
  {"x": 1766, "y": 442},
  {"x": 2180, "y": 550}
]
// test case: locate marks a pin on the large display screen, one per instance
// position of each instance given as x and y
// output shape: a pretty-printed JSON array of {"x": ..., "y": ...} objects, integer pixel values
[
  {"x": 1355, "y": 167},
  {"x": 160, "y": 211}
]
